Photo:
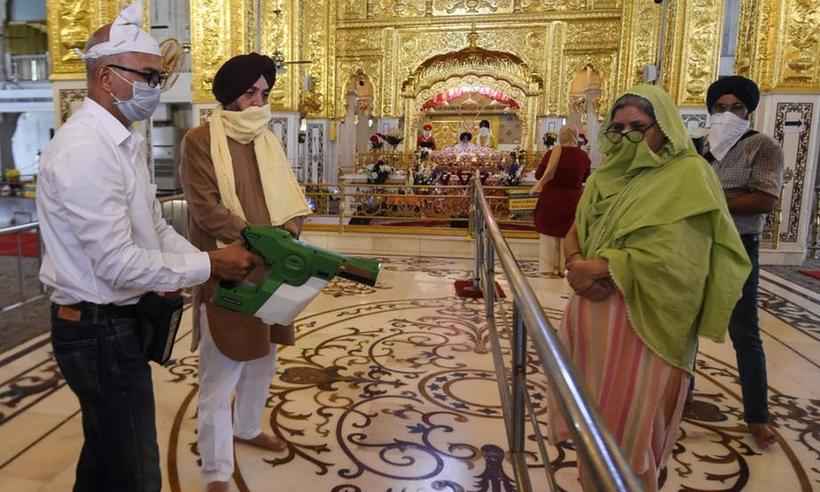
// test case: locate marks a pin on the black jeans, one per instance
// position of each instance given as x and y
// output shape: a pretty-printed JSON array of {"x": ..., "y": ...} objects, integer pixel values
[
  {"x": 744, "y": 329},
  {"x": 103, "y": 364}
]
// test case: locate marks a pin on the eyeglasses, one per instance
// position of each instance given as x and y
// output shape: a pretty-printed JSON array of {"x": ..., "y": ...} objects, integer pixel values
[
  {"x": 152, "y": 77},
  {"x": 634, "y": 135}
]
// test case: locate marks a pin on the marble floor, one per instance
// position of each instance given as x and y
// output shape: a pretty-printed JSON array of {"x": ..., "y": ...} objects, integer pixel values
[{"x": 391, "y": 389}]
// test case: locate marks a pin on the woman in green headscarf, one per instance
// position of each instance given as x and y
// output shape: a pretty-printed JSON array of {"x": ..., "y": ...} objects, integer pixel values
[{"x": 655, "y": 261}]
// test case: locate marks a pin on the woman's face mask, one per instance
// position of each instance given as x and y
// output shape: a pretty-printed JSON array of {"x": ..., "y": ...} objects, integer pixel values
[
  {"x": 144, "y": 100},
  {"x": 630, "y": 153}
]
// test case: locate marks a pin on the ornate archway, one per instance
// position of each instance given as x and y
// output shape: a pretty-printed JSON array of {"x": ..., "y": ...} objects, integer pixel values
[{"x": 473, "y": 66}]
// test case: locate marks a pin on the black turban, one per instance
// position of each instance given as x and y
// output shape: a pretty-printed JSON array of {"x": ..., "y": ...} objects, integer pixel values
[
  {"x": 465, "y": 136},
  {"x": 740, "y": 87},
  {"x": 240, "y": 73}
]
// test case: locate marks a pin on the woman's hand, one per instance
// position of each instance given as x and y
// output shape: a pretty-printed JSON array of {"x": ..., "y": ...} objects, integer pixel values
[
  {"x": 582, "y": 274},
  {"x": 599, "y": 291}
]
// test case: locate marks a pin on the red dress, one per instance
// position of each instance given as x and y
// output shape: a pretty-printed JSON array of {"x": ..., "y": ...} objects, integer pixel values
[{"x": 555, "y": 210}]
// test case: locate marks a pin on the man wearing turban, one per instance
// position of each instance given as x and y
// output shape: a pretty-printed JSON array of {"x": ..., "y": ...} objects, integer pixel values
[
  {"x": 750, "y": 167},
  {"x": 235, "y": 173}
]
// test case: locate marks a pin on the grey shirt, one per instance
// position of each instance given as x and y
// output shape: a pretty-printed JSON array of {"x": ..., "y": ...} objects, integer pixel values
[{"x": 753, "y": 164}]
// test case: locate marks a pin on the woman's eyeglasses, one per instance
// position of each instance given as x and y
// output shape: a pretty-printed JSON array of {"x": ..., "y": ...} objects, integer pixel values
[
  {"x": 634, "y": 135},
  {"x": 151, "y": 77}
]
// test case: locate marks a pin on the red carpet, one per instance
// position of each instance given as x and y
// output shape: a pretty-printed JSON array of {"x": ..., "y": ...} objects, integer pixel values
[
  {"x": 811, "y": 273},
  {"x": 465, "y": 289},
  {"x": 28, "y": 244}
]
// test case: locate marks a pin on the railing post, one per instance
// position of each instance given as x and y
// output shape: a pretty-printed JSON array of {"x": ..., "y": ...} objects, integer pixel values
[
  {"x": 519, "y": 377},
  {"x": 342, "y": 205},
  {"x": 478, "y": 223},
  {"x": 20, "y": 267}
]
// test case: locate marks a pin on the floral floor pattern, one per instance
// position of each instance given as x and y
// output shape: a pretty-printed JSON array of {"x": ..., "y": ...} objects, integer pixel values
[{"x": 392, "y": 388}]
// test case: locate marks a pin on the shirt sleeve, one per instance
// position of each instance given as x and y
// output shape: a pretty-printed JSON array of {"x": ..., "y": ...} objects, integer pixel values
[
  {"x": 202, "y": 193},
  {"x": 93, "y": 190},
  {"x": 767, "y": 168}
]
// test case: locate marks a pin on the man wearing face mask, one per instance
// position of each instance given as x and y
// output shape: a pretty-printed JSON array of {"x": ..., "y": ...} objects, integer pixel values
[
  {"x": 750, "y": 167},
  {"x": 235, "y": 173},
  {"x": 485, "y": 135},
  {"x": 107, "y": 246}
]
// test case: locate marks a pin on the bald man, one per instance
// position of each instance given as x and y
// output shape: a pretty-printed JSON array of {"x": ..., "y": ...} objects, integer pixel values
[
  {"x": 235, "y": 173},
  {"x": 106, "y": 245}
]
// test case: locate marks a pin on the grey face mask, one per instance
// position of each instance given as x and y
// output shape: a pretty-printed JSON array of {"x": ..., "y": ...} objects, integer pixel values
[{"x": 143, "y": 102}]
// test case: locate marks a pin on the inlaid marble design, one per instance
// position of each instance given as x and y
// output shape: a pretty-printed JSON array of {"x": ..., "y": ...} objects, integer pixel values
[{"x": 392, "y": 388}]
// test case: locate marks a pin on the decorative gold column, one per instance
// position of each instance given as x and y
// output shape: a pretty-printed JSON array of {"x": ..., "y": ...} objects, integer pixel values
[
  {"x": 640, "y": 25},
  {"x": 692, "y": 49},
  {"x": 779, "y": 45},
  {"x": 220, "y": 29},
  {"x": 318, "y": 33}
]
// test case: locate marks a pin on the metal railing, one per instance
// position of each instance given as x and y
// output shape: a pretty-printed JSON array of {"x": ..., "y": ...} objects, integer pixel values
[
  {"x": 603, "y": 459},
  {"x": 18, "y": 231}
]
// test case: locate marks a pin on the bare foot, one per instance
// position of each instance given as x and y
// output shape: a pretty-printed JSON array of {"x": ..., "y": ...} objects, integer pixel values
[
  {"x": 265, "y": 441},
  {"x": 762, "y": 434},
  {"x": 217, "y": 487}
]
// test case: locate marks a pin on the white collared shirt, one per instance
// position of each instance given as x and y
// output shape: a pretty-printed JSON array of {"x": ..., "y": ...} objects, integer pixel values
[{"x": 104, "y": 235}]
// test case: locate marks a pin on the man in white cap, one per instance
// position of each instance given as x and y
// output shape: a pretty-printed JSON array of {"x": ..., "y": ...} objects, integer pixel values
[{"x": 106, "y": 246}]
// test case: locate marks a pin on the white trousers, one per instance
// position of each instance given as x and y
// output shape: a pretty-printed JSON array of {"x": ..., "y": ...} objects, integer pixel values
[
  {"x": 219, "y": 377},
  {"x": 550, "y": 254}
]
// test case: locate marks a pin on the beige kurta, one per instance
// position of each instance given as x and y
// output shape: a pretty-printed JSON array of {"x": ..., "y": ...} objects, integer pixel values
[{"x": 238, "y": 336}]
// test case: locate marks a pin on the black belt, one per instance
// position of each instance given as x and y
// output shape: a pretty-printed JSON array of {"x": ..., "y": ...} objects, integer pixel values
[{"x": 96, "y": 313}]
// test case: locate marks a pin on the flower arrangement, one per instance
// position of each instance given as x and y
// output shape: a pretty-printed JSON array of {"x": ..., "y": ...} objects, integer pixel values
[{"x": 378, "y": 172}]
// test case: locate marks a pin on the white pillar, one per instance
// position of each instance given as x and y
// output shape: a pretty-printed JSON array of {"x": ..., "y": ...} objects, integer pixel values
[{"x": 792, "y": 120}]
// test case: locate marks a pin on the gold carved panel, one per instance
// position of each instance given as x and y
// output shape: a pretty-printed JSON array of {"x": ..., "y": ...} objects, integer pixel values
[
  {"x": 640, "y": 26},
  {"x": 779, "y": 44},
  {"x": 219, "y": 30},
  {"x": 347, "y": 69},
  {"x": 605, "y": 63},
  {"x": 530, "y": 6},
  {"x": 594, "y": 34},
  {"x": 692, "y": 50},
  {"x": 70, "y": 23},
  {"x": 470, "y": 7},
  {"x": 70, "y": 100},
  {"x": 396, "y": 8}
]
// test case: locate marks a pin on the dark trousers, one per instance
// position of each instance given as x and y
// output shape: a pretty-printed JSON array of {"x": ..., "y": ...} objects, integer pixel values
[
  {"x": 103, "y": 364},
  {"x": 744, "y": 329}
]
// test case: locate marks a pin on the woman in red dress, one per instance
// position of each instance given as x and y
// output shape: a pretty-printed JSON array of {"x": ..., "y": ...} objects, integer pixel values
[{"x": 561, "y": 177}]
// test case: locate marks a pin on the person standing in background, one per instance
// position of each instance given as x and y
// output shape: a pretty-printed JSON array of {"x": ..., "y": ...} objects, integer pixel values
[
  {"x": 561, "y": 177},
  {"x": 750, "y": 167}
]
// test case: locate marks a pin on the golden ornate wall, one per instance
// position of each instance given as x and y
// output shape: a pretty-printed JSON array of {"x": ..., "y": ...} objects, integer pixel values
[
  {"x": 70, "y": 23},
  {"x": 779, "y": 44}
]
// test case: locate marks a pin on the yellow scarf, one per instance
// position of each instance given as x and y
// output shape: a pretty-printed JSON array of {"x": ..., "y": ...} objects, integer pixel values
[{"x": 283, "y": 195}]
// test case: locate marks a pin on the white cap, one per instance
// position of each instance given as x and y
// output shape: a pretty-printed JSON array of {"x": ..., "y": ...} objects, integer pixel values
[{"x": 126, "y": 36}]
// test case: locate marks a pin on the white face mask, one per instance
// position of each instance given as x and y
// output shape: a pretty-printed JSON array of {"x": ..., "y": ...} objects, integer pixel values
[
  {"x": 725, "y": 130},
  {"x": 143, "y": 102},
  {"x": 484, "y": 131},
  {"x": 427, "y": 133}
]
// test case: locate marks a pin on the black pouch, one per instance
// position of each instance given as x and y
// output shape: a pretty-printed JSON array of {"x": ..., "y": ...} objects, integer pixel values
[{"x": 159, "y": 319}]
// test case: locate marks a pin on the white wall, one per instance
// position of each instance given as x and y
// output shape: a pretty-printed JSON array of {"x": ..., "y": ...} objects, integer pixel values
[{"x": 31, "y": 137}]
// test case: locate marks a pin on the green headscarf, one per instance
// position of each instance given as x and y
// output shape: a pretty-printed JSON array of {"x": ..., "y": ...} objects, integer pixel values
[{"x": 662, "y": 222}]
